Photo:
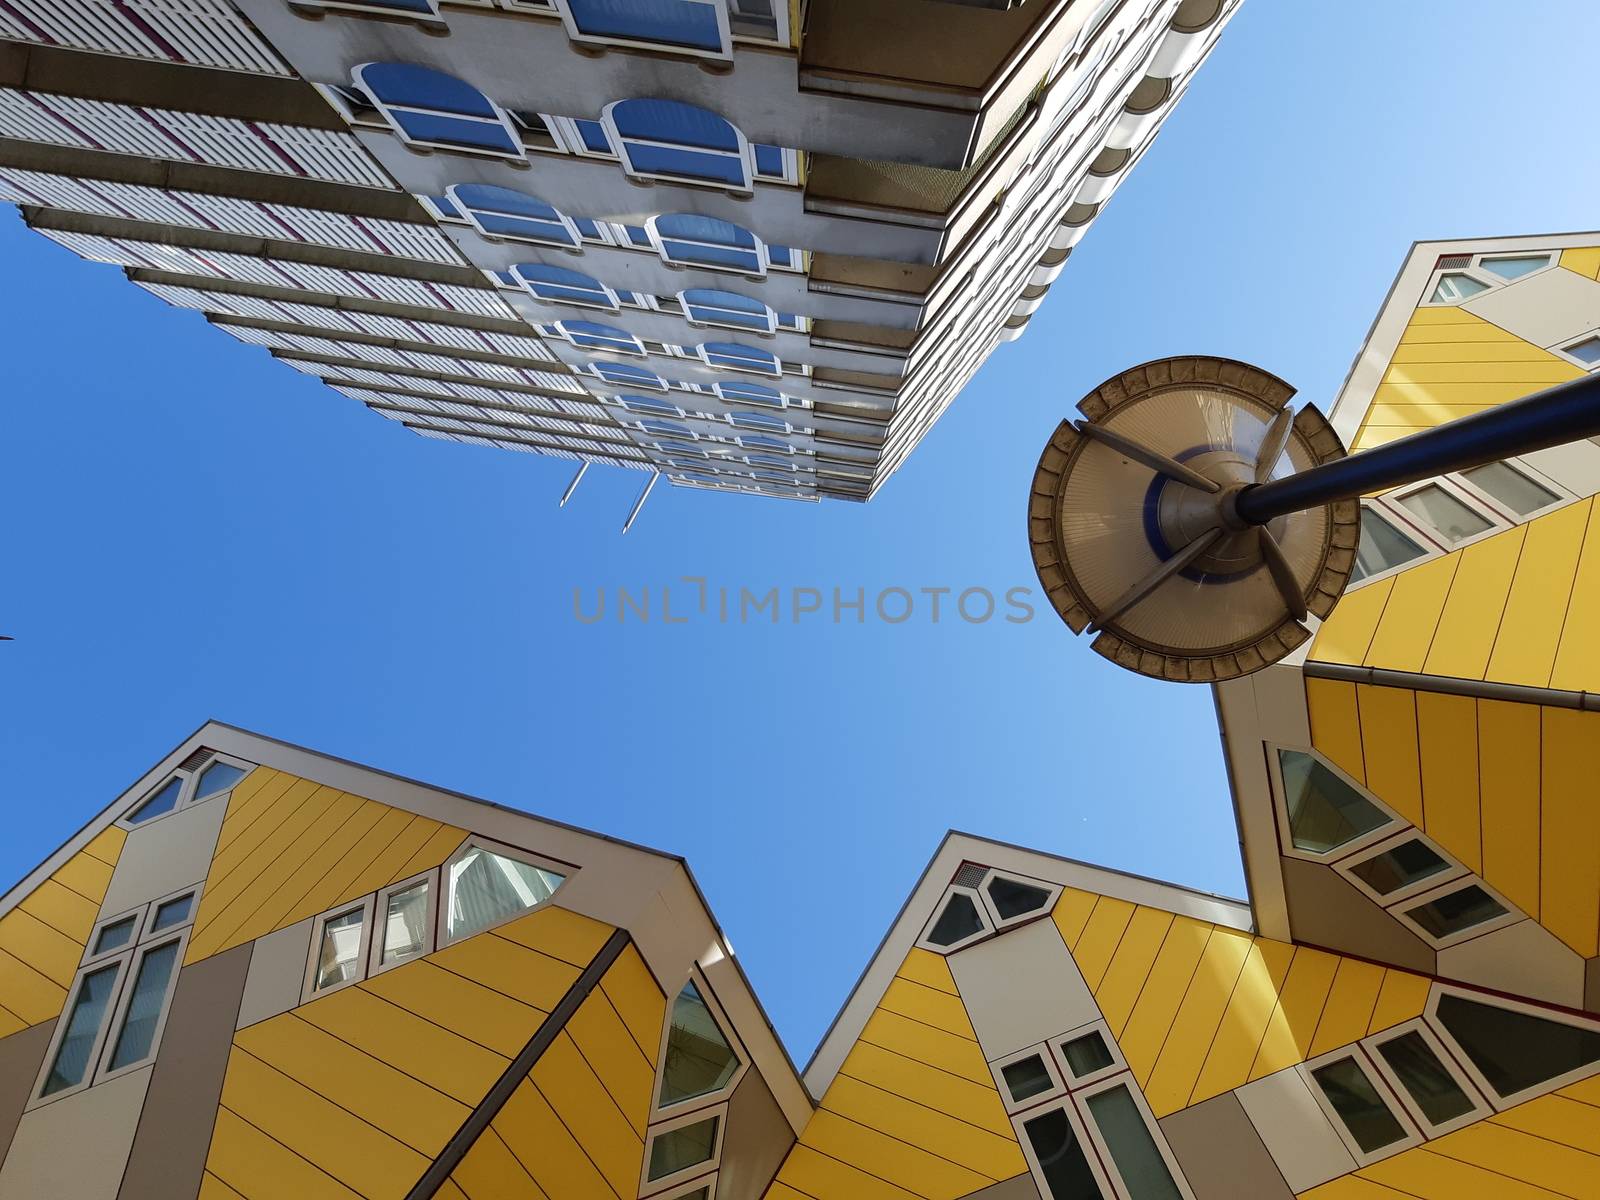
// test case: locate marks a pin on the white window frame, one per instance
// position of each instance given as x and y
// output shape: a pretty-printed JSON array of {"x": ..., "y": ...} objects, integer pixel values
[
  {"x": 1091, "y": 1153},
  {"x": 984, "y": 920},
  {"x": 374, "y": 8},
  {"x": 790, "y": 158},
  {"x": 1563, "y": 350},
  {"x": 114, "y": 962},
  {"x": 696, "y": 1173},
  {"x": 1476, "y": 270},
  {"x": 1404, "y": 523},
  {"x": 188, "y": 784},
  {"x": 785, "y": 401},
  {"x": 1395, "y": 500},
  {"x": 139, "y": 914},
  {"x": 759, "y": 250},
  {"x": 689, "y": 1187},
  {"x": 1452, "y": 872},
  {"x": 469, "y": 214},
  {"x": 309, "y": 989},
  {"x": 613, "y": 305},
  {"x": 502, "y": 118},
  {"x": 1552, "y": 260},
  {"x": 1076, "y": 1082},
  {"x": 443, "y": 937},
  {"x": 1081, "y": 1098},
  {"x": 1046, "y": 1053},
  {"x": 1510, "y": 916},
  {"x": 775, "y": 372},
  {"x": 179, "y": 934},
  {"x": 1481, "y": 1107},
  {"x": 380, "y": 915},
  {"x": 569, "y": 337},
  {"x": 1052, "y": 891},
  {"x": 697, "y": 323},
  {"x": 658, "y": 1112},
  {"x": 1498, "y": 1000},
  {"x": 1486, "y": 499},
  {"x": 194, "y": 796},
  {"x": 778, "y": 428},
  {"x": 674, "y": 413},
  {"x": 1380, "y": 1084},
  {"x": 717, "y": 6},
  {"x": 1280, "y": 794},
  {"x": 145, "y": 931},
  {"x": 665, "y": 384},
  {"x": 745, "y": 155}
]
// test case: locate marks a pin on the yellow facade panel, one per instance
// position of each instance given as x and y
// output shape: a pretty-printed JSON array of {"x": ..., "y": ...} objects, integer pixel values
[
  {"x": 1409, "y": 619},
  {"x": 1353, "y": 1187},
  {"x": 1558, "y": 1119},
  {"x": 820, "y": 1177},
  {"x": 1346, "y": 635},
  {"x": 927, "y": 1005},
  {"x": 930, "y": 1128},
  {"x": 1335, "y": 719},
  {"x": 1524, "y": 1157},
  {"x": 441, "y": 844},
  {"x": 237, "y": 842},
  {"x": 368, "y": 866},
  {"x": 87, "y": 874},
  {"x": 1071, "y": 914},
  {"x": 1509, "y": 754},
  {"x": 1389, "y": 748},
  {"x": 1447, "y": 733},
  {"x": 1467, "y": 627},
  {"x": 11, "y": 1023},
  {"x": 589, "y": 1113},
  {"x": 1348, "y": 1013},
  {"x": 313, "y": 888},
  {"x": 916, "y": 1170},
  {"x": 389, "y": 864},
  {"x": 489, "y": 1171},
  {"x": 26, "y": 993},
  {"x": 931, "y": 970},
  {"x": 1569, "y": 844},
  {"x": 1118, "y": 990},
  {"x": 1195, "y": 1027},
  {"x": 254, "y": 1164},
  {"x": 934, "y": 1047},
  {"x": 976, "y": 1103},
  {"x": 462, "y": 1005},
  {"x": 637, "y": 997},
  {"x": 560, "y": 933},
  {"x": 1539, "y": 372},
  {"x": 212, "y": 1188},
  {"x": 547, "y": 1149},
  {"x": 1163, "y": 993},
  {"x": 1100, "y": 937},
  {"x": 611, "y": 1053},
  {"x": 1244, "y": 1021},
  {"x": 1469, "y": 350},
  {"x": 255, "y": 796},
  {"x": 509, "y": 968},
  {"x": 439, "y": 1057},
  {"x": 1401, "y": 998},
  {"x": 1536, "y": 609},
  {"x": 361, "y": 1156},
  {"x": 107, "y": 845},
  {"x": 1584, "y": 260},
  {"x": 61, "y": 908},
  {"x": 1293, "y": 1023},
  {"x": 1577, "y": 666},
  {"x": 1429, "y": 1176},
  {"x": 51, "y": 953},
  {"x": 382, "y": 1094}
]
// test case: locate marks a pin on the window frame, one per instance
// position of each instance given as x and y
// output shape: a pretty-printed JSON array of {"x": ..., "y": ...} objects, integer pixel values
[
  {"x": 1102, "y": 1149},
  {"x": 469, "y": 215},
  {"x": 1498, "y": 1102},
  {"x": 1042, "y": 1050},
  {"x": 1356, "y": 1052},
  {"x": 380, "y": 911},
  {"x": 688, "y": 1187},
  {"x": 1395, "y": 501},
  {"x": 691, "y": 1174},
  {"x": 706, "y": 355},
  {"x": 188, "y": 785},
  {"x": 724, "y": 28},
  {"x": 1529, "y": 473},
  {"x": 387, "y": 110},
  {"x": 309, "y": 990},
  {"x": 1475, "y": 269},
  {"x": 1074, "y": 1082},
  {"x": 700, "y": 323},
  {"x": 140, "y": 915},
  {"x": 613, "y": 304},
  {"x": 195, "y": 797},
  {"x": 442, "y": 936},
  {"x": 1079, "y": 1124},
  {"x": 984, "y": 920},
  {"x": 1454, "y": 870},
  {"x": 1280, "y": 794},
  {"x": 373, "y": 8},
  {"x": 144, "y": 930},
  {"x": 178, "y": 934},
  {"x": 1405, "y": 525},
  {"x": 1001, "y": 924},
  {"x": 117, "y": 962},
  {"x": 1481, "y": 1106},
  {"x": 660, "y": 1112},
  {"x": 745, "y": 154},
  {"x": 1563, "y": 349},
  {"x": 1510, "y": 916},
  {"x": 658, "y": 241}
]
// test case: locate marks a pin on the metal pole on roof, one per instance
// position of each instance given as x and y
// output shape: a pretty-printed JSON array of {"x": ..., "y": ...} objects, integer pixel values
[
  {"x": 573, "y": 486},
  {"x": 639, "y": 503}
]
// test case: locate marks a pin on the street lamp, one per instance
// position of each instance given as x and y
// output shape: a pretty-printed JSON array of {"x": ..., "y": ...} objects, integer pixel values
[{"x": 1194, "y": 521}]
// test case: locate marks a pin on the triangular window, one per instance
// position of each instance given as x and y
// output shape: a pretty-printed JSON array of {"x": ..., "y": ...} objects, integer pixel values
[
  {"x": 1513, "y": 1050},
  {"x": 1012, "y": 898},
  {"x": 699, "y": 1061},
  {"x": 959, "y": 921},
  {"x": 1325, "y": 812}
]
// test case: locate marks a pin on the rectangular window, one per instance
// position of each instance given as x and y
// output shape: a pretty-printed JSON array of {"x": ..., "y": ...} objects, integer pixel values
[
  {"x": 405, "y": 922},
  {"x": 1403, "y": 865},
  {"x": 145, "y": 1005},
  {"x": 339, "y": 948},
  {"x": 485, "y": 887},
  {"x": 114, "y": 935},
  {"x": 1437, "y": 1096},
  {"x": 1087, "y": 1055},
  {"x": 1455, "y": 912},
  {"x": 168, "y": 914},
  {"x": 1059, "y": 1157},
  {"x": 682, "y": 1147},
  {"x": 1382, "y": 546},
  {"x": 1510, "y": 487},
  {"x": 1369, "y": 1124},
  {"x": 1134, "y": 1153},
  {"x": 74, "y": 1056},
  {"x": 1453, "y": 519}
]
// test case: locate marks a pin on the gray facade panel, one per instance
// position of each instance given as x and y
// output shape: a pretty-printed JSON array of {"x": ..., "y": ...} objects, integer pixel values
[
  {"x": 165, "y": 855},
  {"x": 169, "y": 1148},
  {"x": 1221, "y": 1153},
  {"x": 1328, "y": 912},
  {"x": 276, "y": 974},
  {"x": 21, "y": 1056},
  {"x": 1018, "y": 1187},
  {"x": 757, "y": 1140},
  {"x": 76, "y": 1148}
]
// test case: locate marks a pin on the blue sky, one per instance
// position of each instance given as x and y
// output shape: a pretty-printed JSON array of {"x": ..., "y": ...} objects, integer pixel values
[{"x": 195, "y": 531}]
